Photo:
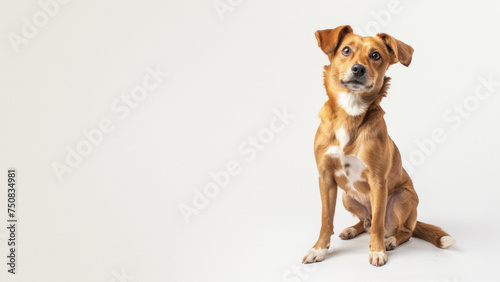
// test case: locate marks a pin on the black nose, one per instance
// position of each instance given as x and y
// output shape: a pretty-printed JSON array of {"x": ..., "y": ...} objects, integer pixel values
[{"x": 358, "y": 70}]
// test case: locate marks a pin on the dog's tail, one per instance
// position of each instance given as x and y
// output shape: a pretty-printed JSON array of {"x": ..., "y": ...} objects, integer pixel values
[{"x": 433, "y": 234}]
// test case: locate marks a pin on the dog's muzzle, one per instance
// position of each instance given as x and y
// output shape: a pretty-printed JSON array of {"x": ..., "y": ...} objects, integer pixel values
[{"x": 356, "y": 79}]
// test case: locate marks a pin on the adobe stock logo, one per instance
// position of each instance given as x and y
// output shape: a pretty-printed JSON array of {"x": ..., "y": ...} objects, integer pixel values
[
  {"x": 221, "y": 179},
  {"x": 381, "y": 19},
  {"x": 121, "y": 276},
  {"x": 39, "y": 19},
  {"x": 121, "y": 107},
  {"x": 455, "y": 115},
  {"x": 223, "y": 6},
  {"x": 299, "y": 272}
]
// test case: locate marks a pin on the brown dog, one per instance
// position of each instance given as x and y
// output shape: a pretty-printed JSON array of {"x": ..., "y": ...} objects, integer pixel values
[{"x": 354, "y": 152}]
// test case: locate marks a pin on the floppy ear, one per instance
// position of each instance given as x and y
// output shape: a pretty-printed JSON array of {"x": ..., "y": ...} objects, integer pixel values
[
  {"x": 329, "y": 39},
  {"x": 399, "y": 51}
]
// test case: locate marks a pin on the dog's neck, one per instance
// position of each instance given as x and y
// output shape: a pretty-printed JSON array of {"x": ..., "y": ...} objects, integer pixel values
[{"x": 350, "y": 109}]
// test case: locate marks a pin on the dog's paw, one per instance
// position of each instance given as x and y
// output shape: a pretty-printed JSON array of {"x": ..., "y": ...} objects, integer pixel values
[
  {"x": 390, "y": 243},
  {"x": 378, "y": 258},
  {"x": 348, "y": 233},
  {"x": 314, "y": 255}
]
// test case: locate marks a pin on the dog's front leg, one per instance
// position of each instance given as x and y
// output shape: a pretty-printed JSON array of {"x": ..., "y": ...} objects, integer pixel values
[
  {"x": 328, "y": 191},
  {"x": 378, "y": 199}
]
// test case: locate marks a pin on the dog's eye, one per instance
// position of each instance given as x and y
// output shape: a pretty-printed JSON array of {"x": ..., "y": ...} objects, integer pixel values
[
  {"x": 375, "y": 55},
  {"x": 346, "y": 51}
]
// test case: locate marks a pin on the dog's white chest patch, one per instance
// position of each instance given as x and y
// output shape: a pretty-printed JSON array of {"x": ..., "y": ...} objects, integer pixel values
[
  {"x": 352, "y": 103},
  {"x": 342, "y": 136},
  {"x": 352, "y": 166}
]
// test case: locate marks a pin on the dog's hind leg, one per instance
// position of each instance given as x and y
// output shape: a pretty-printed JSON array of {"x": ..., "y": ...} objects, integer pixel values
[
  {"x": 403, "y": 233},
  {"x": 353, "y": 231},
  {"x": 401, "y": 217},
  {"x": 359, "y": 210}
]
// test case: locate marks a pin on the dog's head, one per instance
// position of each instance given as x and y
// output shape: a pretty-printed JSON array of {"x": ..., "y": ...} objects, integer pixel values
[{"x": 359, "y": 63}]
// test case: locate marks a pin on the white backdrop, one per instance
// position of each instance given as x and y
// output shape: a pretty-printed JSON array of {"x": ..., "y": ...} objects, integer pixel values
[{"x": 109, "y": 147}]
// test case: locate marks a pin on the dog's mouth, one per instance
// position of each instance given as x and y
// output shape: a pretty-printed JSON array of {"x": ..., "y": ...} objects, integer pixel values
[{"x": 356, "y": 85}]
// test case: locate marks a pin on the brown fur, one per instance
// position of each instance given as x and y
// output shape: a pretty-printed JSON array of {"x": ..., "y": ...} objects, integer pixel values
[
  {"x": 430, "y": 233},
  {"x": 392, "y": 206}
]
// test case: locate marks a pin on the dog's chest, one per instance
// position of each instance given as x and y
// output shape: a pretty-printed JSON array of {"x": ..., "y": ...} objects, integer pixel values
[{"x": 349, "y": 172}]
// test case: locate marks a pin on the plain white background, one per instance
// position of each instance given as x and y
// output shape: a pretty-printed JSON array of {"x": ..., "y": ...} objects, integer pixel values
[{"x": 116, "y": 215}]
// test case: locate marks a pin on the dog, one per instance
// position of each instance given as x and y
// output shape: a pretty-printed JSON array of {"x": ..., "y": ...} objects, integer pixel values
[{"x": 354, "y": 151}]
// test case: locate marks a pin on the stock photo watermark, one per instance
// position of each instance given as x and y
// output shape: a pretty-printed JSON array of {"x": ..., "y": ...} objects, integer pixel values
[
  {"x": 455, "y": 116},
  {"x": 121, "y": 108},
  {"x": 299, "y": 272},
  {"x": 224, "y": 6},
  {"x": 12, "y": 224},
  {"x": 381, "y": 19},
  {"x": 32, "y": 25},
  {"x": 121, "y": 276},
  {"x": 248, "y": 149}
]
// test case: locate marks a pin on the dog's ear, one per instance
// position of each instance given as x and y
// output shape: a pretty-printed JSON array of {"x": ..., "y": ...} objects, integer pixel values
[
  {"x": 399, "y": 51},
  {"x": 329, "y": 39}
]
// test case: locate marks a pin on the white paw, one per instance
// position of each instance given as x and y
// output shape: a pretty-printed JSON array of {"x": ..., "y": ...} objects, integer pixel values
[
  {"x": 348, "y": 233},
  {"x": 447, "y": 241},
  {"x": 378, "y": 258},
  {"x": 390, "y": 243},
  {"x": 314, "y": 255}
]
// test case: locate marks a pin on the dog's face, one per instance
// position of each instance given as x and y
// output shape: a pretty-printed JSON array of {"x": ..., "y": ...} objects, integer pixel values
[{"x": 359, "y": 63}]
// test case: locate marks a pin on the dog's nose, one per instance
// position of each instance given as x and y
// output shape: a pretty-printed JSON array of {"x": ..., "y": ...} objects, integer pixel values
[{"x": 358, "y": 70}]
